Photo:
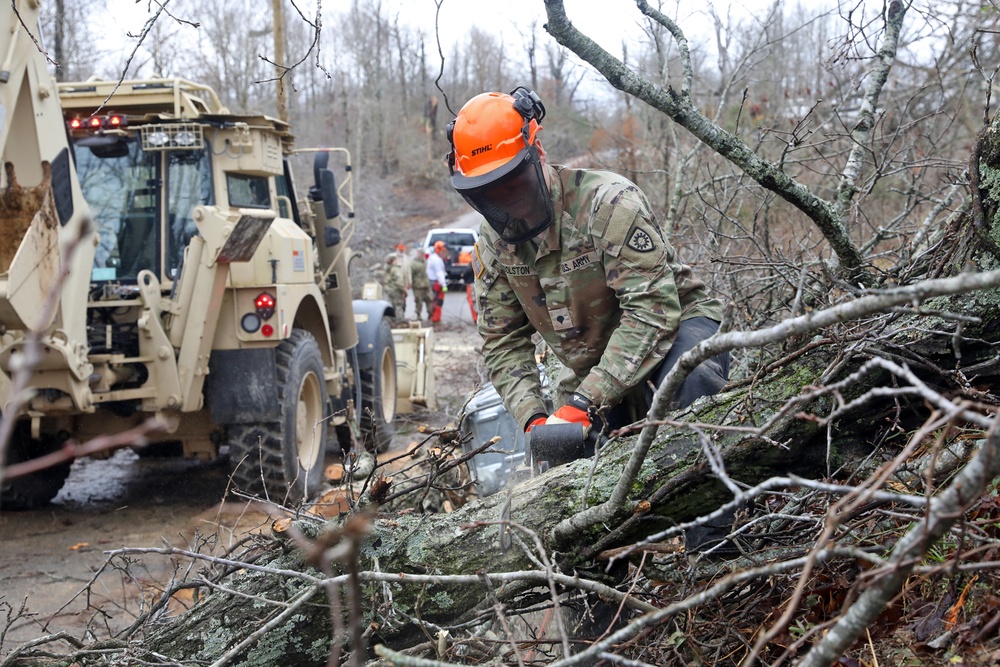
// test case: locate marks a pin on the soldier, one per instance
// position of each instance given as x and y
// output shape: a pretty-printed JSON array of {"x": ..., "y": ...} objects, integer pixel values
[
  {"x": 423, "y": 295},
  {"x": 395, "y": 285},
  {"x": 403, "y": 259},
  {"x": 578, "y": 257}
]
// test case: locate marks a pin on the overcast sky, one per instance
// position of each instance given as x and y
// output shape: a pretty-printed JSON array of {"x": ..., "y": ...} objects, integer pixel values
[{"x": 606, "y": 21}]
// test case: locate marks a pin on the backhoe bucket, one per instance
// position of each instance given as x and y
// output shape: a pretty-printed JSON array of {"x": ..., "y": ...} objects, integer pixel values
[
  {"x": 42, "y": 212},
  {"x": 45, "y": 226}
]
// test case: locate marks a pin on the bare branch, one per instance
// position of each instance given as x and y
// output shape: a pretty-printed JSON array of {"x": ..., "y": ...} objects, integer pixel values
[
  {"x": 946, "y": 509},
  {"x": 683, "y": 112},
  {"x": 869, "y": 103},
  {"x": 725, "y": 342}
]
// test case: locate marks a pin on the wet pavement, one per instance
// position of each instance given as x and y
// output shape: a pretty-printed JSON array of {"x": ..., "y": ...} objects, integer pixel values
[{"x": 48, "y": 556}]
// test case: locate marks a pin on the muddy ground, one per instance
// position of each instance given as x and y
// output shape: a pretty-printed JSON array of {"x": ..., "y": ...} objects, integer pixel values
[{"x": 50, "y": 557}]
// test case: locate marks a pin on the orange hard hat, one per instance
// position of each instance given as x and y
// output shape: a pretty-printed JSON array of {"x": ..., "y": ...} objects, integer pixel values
[
  {"x": 497, "y": 163},
  {"x": 400, "y": 246},
  {"x": 438, "y": 245},
  {"x": 492, "y": 129}
]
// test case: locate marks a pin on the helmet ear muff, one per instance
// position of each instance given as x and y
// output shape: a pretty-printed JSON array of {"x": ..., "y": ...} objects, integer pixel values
[
  {"x": 450, "y": 131},
  {"x": 499, "y": 125},
  {"x": 528, "y": 104}
]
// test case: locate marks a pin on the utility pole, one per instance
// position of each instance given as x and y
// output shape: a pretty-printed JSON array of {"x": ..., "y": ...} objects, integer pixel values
[{"x": 279, "y": 57}]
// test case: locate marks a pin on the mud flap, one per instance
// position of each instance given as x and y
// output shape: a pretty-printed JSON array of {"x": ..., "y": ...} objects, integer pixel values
[
  {"x": 240, "y": 387},
  {"x": 368, "y": 314}
]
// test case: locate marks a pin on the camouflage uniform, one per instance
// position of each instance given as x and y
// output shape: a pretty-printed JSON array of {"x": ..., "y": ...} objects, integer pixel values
[
  {"x": 403, "y": 261},
  {"x": 423, "y": 295},
  {"x": 601, "y": 286},
  {"x": 395, "y": 285}
]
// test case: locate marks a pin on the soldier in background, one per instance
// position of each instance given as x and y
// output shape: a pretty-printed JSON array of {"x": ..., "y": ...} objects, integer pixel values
[
  {"x": 423, "y": 295},
  {"x": 403, "y": 260},
  {"x": 395, "y": 285}
]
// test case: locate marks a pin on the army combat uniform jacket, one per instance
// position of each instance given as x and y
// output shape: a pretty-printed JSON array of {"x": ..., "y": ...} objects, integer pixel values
[
  {"x": 601, "y": 286},
  {"x": 395, "y": 287},
  {"x": 422, "y": 292}
]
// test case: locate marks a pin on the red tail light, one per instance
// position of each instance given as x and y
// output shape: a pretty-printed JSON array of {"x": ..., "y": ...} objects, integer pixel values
[{"x": 264, "y": 303}]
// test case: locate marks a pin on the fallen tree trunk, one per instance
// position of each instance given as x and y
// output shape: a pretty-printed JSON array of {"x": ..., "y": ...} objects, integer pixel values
[{"x": 676, "y": 482}]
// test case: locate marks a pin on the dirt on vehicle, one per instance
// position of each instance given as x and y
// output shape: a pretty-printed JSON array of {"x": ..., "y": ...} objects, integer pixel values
[{"x": 54, "y": 571}]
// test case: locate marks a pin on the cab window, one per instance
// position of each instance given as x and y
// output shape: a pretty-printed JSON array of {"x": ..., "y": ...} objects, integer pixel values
[{"x": 248, "y": 191}]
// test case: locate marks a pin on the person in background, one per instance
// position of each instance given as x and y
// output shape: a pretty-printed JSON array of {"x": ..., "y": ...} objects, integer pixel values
[
  {"x": 438, "y": 278},
  {"x": 395, "y": 285},
  {"x": 403, "y": 259},
  {"x": 423, "y": 295},
  {"x": 578, "y": 257}
]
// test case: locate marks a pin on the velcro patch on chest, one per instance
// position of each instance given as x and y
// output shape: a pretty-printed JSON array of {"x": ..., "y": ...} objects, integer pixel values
[
  {"x": 640, "y": 240},
  {"x": 579, "y": 262}
]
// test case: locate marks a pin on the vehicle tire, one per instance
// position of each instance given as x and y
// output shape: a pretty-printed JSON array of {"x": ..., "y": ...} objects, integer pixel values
[
  {"x": 39, "y": 488},
  {"x": 378, "y": 393},
  {"x": 283, "y": 460}
]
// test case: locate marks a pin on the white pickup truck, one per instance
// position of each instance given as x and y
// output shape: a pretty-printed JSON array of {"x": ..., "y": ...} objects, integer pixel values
[{"x": 459, "y": 241}]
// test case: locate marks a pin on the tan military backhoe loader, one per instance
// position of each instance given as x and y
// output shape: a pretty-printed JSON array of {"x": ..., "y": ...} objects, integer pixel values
[{"x": 199, "y": 286}]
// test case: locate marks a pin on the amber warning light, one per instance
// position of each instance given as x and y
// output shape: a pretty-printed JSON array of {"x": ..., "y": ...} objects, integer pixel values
[{"x": 109, "y": 122}]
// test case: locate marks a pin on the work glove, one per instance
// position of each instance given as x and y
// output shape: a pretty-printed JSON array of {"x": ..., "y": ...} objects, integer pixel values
[
  {"x": 576, "y": 411},
  {"x": 535, "y": 421}
]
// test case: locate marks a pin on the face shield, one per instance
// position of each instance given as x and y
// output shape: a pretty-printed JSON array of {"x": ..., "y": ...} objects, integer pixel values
[{"x": 514, "y": 199}]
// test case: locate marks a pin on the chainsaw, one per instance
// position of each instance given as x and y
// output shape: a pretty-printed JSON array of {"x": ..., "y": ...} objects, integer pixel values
[{"x": 549, "y": 445}]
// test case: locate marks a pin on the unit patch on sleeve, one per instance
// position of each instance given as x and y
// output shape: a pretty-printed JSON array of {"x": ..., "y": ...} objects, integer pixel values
[
  {"x": 640, "y": 241},
  {"x": 477, "y": 262}
]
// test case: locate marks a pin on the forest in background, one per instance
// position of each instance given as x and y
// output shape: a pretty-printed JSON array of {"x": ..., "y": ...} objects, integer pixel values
[{"x": 787, "y": 81}]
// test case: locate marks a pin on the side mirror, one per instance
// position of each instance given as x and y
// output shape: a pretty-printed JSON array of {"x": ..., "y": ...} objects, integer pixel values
[{"x": 325, "y": 187}]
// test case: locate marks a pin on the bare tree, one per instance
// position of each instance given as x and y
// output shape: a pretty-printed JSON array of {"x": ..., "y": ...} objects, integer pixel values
[
  {"x": 64, "y": 24},
  {"x": 233, "y": 60}
]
